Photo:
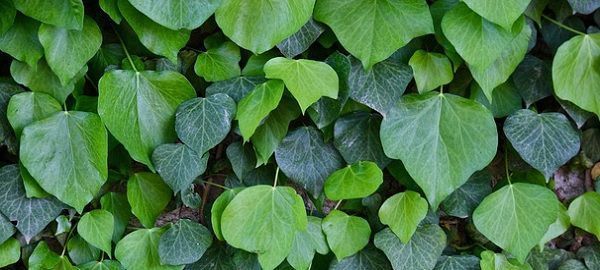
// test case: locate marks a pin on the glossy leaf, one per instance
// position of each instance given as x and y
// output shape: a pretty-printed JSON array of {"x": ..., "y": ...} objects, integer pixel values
[
  {"x": 178, "y": 165},
  {"x": 183, "y": 243},
  {"x": 117, "y": 205},
  {"x": 301, "y": 40},
  {"x": 219, "y": 64},
  {"x": 28, "y": 107},
  {"x": 431, "y": 70},
  {"x": 257, "y": 105},
  {"x": 10, "y": 252},
  {"x": 402, "y": 213},
  {"x": 356, "y": 137},
  {"x": 139, "y": 250},
  {"x": 148, "y": 195},
  {"x": 355, "y": 181},
  {"x": 421, "y": 252},
  {"x": 96, "y": 227},
  {"x": 236, "y": 88},
  {"x": 274, "y": 128},
  {"x": 21, "y": 40},
  {"x": 66, "y": 14},
  {"x": 216, "y": 212},
  {"x": 346, "y": 235},
  {"x": 463, "y": 201},
  {"x": 306, "y": 243},
  {"x": 7, "y": 15},
  {"x": 503, "y": 13},
  {"x": 177, "y": 14},
  {"x": 534, "y": 78}
]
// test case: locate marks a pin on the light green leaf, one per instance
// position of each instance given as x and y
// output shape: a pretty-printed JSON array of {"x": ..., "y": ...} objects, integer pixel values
[
  {"x": 458, "y": 262},
  {"x": 102, "y": 265},
  {"x": 67, "y": 51},
  {"x": 306, "y": 243},
  {"x": 260, "y": 25},
  {"x": 178, "y": 14},
  {"x": 373, "y": 30},
  {"x": 306, "y": 159},
  {"x": 307, "y": 80},
  {"x": 431, "y": 70},
  {"x": 356, "y": 137},
  {"x": 10, "y": 252},
  {"x": 28, "y": 107},
  {"x": 355, "y": 181},
  {"x": 534, "y": 78},
  {"x": 467, "y": 197},
  {"x": 495, "y": 261},
  {"x": 184, "y": 243},
  {"x": 546, "y": 141},
  {"x": 257, "y": 105},
  {"x": 403, "y": 212},
  {"x": 139, "y": 250},
  {"x": 556, "y": 229},
  {"x": 138, "y": 108},
  {"x": 148, "y": 196},
  {"x": 526, "y": 211},
  {"x": 281, "y": 214},
  {"x": 97, "y": 227},
  {"x": 178, "y": 165},
  {"x": 242, "y": 159},
  {"x": 81, "y": 251},
  {"x": 202, "y": 123},
  {"x": 117, "y": 205},
  {"x": 503, "y": 13},
  {"x": 220, "y": 63},
  {"x": 421, "y": 252},
  {"x": 216, "y": 212},
  {"x": 63, "y": 13},
  {"x": 368, "y": 258},
  {"x": 111, "y": 8},
  {"x": 63, "y": 225},
  {"x": 42, "y": 257},
  {"x": 301, "y": 40},
  {"x": 236, "y": 88},
  {"x": 75, "y": 146},
  {"x": 575, "y": 72},
  {"x": 21, "y": 40},
  {"x": 6, "y": 228},
  {"x": 346, "y": 235},
  {"x": 585, "y": 212},
  {"x": 448, "y": 128},
  {"x": 157, "y": 38}
]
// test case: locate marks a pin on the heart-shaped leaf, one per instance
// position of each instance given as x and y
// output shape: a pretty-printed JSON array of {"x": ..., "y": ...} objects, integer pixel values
[
  {"x": 356, "y": 136},
  {"x": 358, "y": 180},
  {"x": 28, "y": 107},
  {"x": 177, "y": 14},
  {"x": 257, "y": 105},
  {"x": 183, "y": 243},
  {"x": 220, "y": 63},
  {"x": 583, "y": 212},
  {"x": 431, "y": 70},
  {"x": 178, "y": 165},
  {"x": 148, "y": 196},
  {"x": 403, "y": 212},
  {"x": 503, "y": 13},
  {"x": 21, "y": 41},
  {"x": 66, "y": 14},
  {"x": 306, "y": 243},
  {"x": 346, "y": 235},
  {"x": 139, "y": 250},
  {"x": 421, "y": 252},
  {"x": 96, "y": 227}
]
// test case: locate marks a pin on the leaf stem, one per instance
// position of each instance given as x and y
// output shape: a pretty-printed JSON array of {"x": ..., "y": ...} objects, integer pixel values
[
  {"x": 126, "y": 51},
  {"x": 442, "y": 89},
  {"x": 338, "y": 204},
  {"x": 506, "y": 166},
  {"x": 67, "y": 239},
  {"x": 562, "y": 25},
  {"x": 215, "y": 184},
  {"x": 276, "y": 177}
]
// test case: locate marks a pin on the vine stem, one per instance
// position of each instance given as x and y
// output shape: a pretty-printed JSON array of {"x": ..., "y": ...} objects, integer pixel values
[
  {"x": 441, "y": 89},
  {"x": 276, "y": 177},
  {"x": 215, "y": 184},
  {"x": 562, "y": 25},
  {"x": 126, "y": 51},
  {"x": 506, "y": 166},
  {"x": 337, "y": 204},
  {"x": 67, "y": 239}
]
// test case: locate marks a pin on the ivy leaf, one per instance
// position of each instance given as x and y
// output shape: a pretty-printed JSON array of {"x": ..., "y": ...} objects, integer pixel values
[
  {"x": 138, "y": 108},
  {"x": 306, "y": 243},
  {"x": 10, "y": 252},
  {"x": 590, "y": 255},
  {"x": 459, "y": 262},
  {"x": 421, "y": 252},
  {"x": 21, "y": 41},
  {"x": 454, "y": 128},
  {"x": 220, "y": 63},
  {"x": 274, "y": 128},
  {"x": 307, "y": 80},
  {"x": 257, "y": 105},
  {"x": 431, "y": 70},
  {"x": 379, "y": 87},
  {"x": 216, "y": 211},
  {"x": 301, "y": 40},
  {"x": 66, "y": 14},
  {"x": 556, "y": 229},
  {"x": 78, "y": 172},
  {"x": 368, "y": 258},
  {"x": 467, "y": 197},
  {"x": 178, "y": 165},
  {"x": 111, "y": 8},
  {"x": 97, "y": 227},
  {"x": 355, "y": 181},
  {"x": 526, "y": 211},
  {"x": 6, "y": 228},
  {"x": 306, "y": 159},
  {"x": 506, "y": 99},
  {"x": 81, "y": 251},
  {"x": 546, "y": 141},
  {"x": 403, "y": 212},
  {"x": 356, "y": 137},
  {"x": 236, "y": 88},
  {"x": 534, "y": 79},
  {"x": 183, "y": 243},
  {"x": 177, "y": 14},
  {"x": 202, "y": 123},
  {"x": 217, "y": 257},
  {"x": 32, "y": 215},
  {"x": 575, "y": 74},
  {"x": 101, "y": 265},
  {"x": 139, "y": 250},
  {"x": 242, "y": 159},
  {"x": 584, "y": 6},
  {"x": 271, "y": 236},
  {"x": 117, "y": 205},
  {"x": 42, "y": 257},
  {"x": 327, "y": 110},
  {"x": 148, "y": 196},
  {"x": 157, "y": 38},
  {"x": 7, "y": 15},
  {"x": 385, "y": 26},
  {"x": 493, "y": 261},
  {"x": 503, "y": 13},
  {"x": 259, "y": 25},
  {"x": 583, "y": 212},
  {"x": 28, "y": 107},
  {"x": 346, "y": 235}
]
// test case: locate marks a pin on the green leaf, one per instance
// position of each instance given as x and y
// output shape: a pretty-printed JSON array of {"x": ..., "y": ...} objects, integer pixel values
[
  {"x": 281, "y": 213},
  {"x": 202, "y": 123},
  {"x": 306, "y": 159},
  {"x": 368, "y": 258},
  {"x": 534, "y": 78},
  {"x": 306, "y": 243},
  {"x": 6, "y": 228},
  {"x": 148, "y": 196},
  {"x": 31, "y": 215},
  {"x": 215, "y": 258},
  {"x": 7, "y": 90},
  {"x": 67, "y": 51},
  {"x": 242, "y": 159},
  {"x": 301, "y": 40},
  {"x": 10, "y": 252},
  {"x": 506, "y": 99},
  {"x": 355, "y": 181},
  {"x": 495, "y": 261},
  {"x": 183, "y": 243},
  {"x": 346, "y": 235},
  {"x": 421, "y": 252},
  {"x": 157, "y": 38},
  {"x": 583, "y": 212},
  {"x": 28, "y": 107},
  {"x": 117, "y": 205},
  {"x": 379, "y": 87},
  {"x": 274, "y": 128},
  {"x": 556, "y": 229},
  {"x": 177, "y": 14},
  {"x": 236, "y": 88},
  {"x": 575, "y": 73},
  {"x": 356, "y": 137},
  {"x": 96, "y": 227},
  {"x": 138, "y": 108},
  {"x": 111, "y": 8},
  {"x": 139, "y": 250},
  {"x": 216, "y": 212},
  {"x": 459, "y": 262},
  {"x": 66, "y": 14},
  {"x": 257, "y": 105},
  {"x": 584, "y": 6},
  {"x": 42, "y": 257},
  {"x": 307, "y": 80},
  {"x": 590, "y": 255},
  {"x": 478, "y": 41},
  {"x": 546, "y": 141},
  {"x": 373, "y": 30},
  {"x": 431, "y": 70},
  {"x": 81, "y": 251},
  {"x": 526, "y": 211},
  {"x": 220, "y": 63},
  {"x": 503, "y": 13},
  {"x": 178, "y": 165},
  {"x": 21, "y": 40},
  {"x": 403, "y": 212},
  {"x": 463, "y": 201},
  {"x": 63, "y": 225},
  {"x": 102, "y": 265},
  {"x": 260, "y": 25},
  {"x": 7, "y": 15},
  {"x": 32, "y": 188},
  {"x": 449, "y": 128}
]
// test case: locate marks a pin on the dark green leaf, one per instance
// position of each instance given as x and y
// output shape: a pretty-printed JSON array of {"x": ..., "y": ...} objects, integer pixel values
[
  {"x": 28, "y": 107},
  {"x": 467, "y": 197},
  {"x": 117, "y": 205},
  {"x": 534, "y": 79},
  {"x": 356, "y": 136},
  {"x": 421, "y": 252},
  {"x": 236, "y": 88},
  {"x": 274, "y": 128},
  {"x": 461, "y": 262},
  {"x": 369, "y": 258},
  {"x": 301, "y": 40},
  {"x": 242, "y": 159},
  {"x": 21, "y": 41},
  {"x": 67, "y": 14},
  {"x": 177, "y": 14},
  {"x": 183, "y": 243},
  {"x": 178, "y": 165}
]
